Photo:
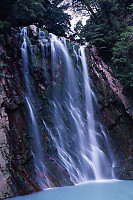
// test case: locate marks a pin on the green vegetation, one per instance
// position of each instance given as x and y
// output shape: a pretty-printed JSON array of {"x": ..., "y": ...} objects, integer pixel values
[
  {"x": 3, "y": 58},
  {"x": 110, "y": 28},
  {"x": 49, "y": 13}
]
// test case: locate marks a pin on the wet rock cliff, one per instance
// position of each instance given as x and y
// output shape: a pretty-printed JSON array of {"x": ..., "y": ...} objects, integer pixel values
[
  {"x": 116, "y": 112},
  {"x": 16, "y": 160}
]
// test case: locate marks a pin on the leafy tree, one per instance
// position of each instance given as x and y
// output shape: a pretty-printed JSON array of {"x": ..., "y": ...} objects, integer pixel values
[
  {"x": 6, "y": 9},
  {"x": 122, "y": 57},
  {"x": 109, "y": 27},
  {"x": 43, "y": 12},
  {"x": 57, "y": 21}
]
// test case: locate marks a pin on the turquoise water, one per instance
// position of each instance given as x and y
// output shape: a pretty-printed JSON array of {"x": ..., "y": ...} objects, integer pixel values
[{"x": 104, "y": 190}]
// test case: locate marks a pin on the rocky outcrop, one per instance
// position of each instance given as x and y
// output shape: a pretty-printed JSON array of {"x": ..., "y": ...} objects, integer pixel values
[{"x": 116, "y": 112}]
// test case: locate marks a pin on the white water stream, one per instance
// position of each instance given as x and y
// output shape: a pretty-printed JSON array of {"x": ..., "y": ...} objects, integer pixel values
[{"x": 74, "y": 134}]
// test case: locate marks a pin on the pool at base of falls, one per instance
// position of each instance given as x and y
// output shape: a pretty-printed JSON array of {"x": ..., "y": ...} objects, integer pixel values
[{"x": 92, "y": 190}]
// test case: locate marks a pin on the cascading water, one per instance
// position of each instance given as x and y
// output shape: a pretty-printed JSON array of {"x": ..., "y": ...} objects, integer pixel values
[
  {"x": 44, "y": 52},
  {"x": 36, "y": 145},
  {"x": 72, "y": 130},
  {"x": 71, "y": 105},
  {"x": 98, "y": 157}
]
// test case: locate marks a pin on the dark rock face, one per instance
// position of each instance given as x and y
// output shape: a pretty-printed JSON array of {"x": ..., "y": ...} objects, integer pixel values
[
  {"x": 117, "y": 114},
  {"x": 16, "y": 160}
]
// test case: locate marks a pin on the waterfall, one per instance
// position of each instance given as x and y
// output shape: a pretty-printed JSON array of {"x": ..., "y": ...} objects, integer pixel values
[
  {"x": 36, "y": 146},
  {"x": 79, "y": 139},
  {"x": 44, "y": 52},
  {"x": 98, "y": 157},
  {"x": 74, "y": 131}
]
